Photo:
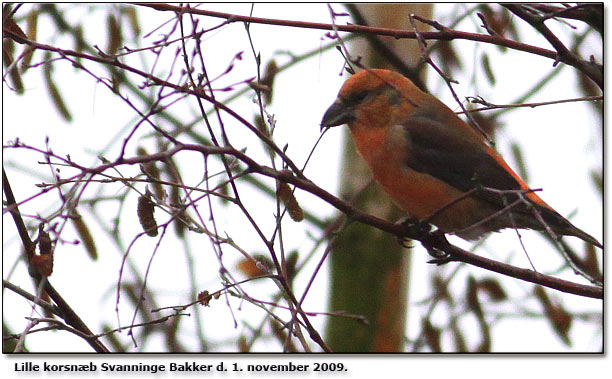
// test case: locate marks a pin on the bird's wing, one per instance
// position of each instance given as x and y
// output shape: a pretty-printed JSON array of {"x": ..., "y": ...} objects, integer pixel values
[
  {"x": 462, "y": 161},
  {"x": 443, "y": 152},
  {"x": 446, "y": 153}
]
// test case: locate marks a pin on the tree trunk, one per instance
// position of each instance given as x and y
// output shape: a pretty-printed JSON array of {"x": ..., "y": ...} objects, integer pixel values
[{"x": 369, "y": 269}]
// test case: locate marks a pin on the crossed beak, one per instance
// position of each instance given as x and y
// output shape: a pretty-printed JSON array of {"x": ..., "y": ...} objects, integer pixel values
[{"x": 337, "y": 114}]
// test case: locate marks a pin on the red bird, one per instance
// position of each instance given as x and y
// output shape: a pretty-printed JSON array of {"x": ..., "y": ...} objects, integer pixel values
[{"x": 433, "y": 164}]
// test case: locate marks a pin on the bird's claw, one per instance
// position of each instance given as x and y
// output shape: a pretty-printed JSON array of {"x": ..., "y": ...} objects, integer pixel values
[
  {"x": 421, "y": 230},
  {"x": 439, "y": 257},
  {"x": 413, "y": 227}
]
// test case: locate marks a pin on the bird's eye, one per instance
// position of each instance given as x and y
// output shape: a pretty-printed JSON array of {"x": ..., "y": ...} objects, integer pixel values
[{"x": 359, "y": 97}]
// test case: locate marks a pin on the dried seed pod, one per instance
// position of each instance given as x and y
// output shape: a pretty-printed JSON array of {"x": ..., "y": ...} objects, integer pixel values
[
  {"x": 204, "y": 298},
  {"x": 258, "y": 266},
  {"x": 243, "y": 345},
  {"x": 8, "y": 49},
  {"x": 132, "y": 16},
  {"x": 493, "y": 288},
  {"x": 44, "y": 241},
  {"x": 43, "y": 263},
  {"x": 224, "y": 190},
  {"x": 268, "y": 80},
  {"x": 560, "y": 319},
  {"x": 84, "y": 235},
  {"x": 261, "y": 125},
  {"x": 31, "y": 30},
  {"x": 114, "y": 35},
  {"x": 180, "y": 214},
  {"x": 145, "y": 210},
  {"x": 284, "y": 193},
  {"x": 53, "y": 90},
  {"x": 152, "y": 172}
]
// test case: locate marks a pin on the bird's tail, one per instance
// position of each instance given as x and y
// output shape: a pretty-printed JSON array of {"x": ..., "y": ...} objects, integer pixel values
[
  {"x": 574, "y": 231},
  {"x": 562, "y": 226}
]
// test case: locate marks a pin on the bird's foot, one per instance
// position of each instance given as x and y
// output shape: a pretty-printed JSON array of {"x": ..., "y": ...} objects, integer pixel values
[
  {"x": 413, "y": 227},
  {"x": 440, "y": 257}
]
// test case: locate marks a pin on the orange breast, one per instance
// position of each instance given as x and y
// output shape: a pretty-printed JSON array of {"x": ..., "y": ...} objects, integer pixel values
[{"x": 419, "y": 194}]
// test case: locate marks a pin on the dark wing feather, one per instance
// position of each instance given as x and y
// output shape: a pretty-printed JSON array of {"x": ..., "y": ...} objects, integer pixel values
[{"x": 445, "y": 154}]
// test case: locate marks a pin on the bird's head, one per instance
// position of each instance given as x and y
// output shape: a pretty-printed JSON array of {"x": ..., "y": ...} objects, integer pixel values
[{"x": 371, "y": 96}]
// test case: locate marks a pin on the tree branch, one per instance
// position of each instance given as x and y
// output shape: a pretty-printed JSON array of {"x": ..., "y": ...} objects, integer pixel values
[
  {"x": 68, "y": 314},
  {"x": 592, "y": 70},
  {"x": 429, "y": 240}
]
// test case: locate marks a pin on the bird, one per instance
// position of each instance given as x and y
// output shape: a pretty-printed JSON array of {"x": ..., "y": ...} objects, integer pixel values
[{"x": 433, "y": 164}]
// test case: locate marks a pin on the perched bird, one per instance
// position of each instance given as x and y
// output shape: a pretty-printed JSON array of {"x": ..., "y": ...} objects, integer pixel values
[{"x": 434, "y": 165}]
